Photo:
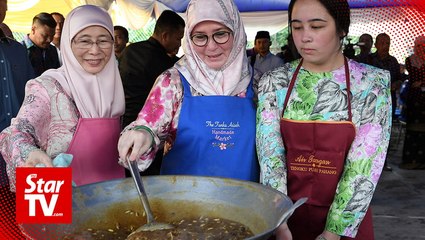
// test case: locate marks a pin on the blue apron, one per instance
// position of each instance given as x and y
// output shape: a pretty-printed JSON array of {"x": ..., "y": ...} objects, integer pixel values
[{"x": 215, "y": 137}]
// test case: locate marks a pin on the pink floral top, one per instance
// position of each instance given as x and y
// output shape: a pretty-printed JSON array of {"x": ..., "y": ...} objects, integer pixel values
[{"x": 47, "y": 120}]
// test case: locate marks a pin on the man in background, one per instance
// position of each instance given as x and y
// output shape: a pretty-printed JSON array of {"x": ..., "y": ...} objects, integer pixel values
[
  {"x": 365, "y": 44},
  {"x": 15, "y": 71},
  {"x": 41, "y": 53},
  {"x": 7, "y": 31},
  {"x": 120, "y": 40},
  {"x": 382, "y": 59},
  {"x": 142, "y": 62},
  {"x": 60, "y": 19},
  {"x": 264, "y": 60}
]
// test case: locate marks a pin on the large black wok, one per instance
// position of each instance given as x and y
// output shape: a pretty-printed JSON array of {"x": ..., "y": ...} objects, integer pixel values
[{"x": 113, "y": 204}]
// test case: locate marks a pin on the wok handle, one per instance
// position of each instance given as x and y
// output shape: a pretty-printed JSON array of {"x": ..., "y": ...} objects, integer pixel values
[
  {"x": 140, "y": 189},
  {"x": 291, "y": 210}
]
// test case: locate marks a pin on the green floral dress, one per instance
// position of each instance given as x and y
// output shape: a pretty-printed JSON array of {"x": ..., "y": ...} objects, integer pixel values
[{"x": 323, "y": 96}]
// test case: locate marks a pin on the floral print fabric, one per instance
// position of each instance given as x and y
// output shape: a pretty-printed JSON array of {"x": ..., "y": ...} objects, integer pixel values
[
  {"x": 47, "y": 120},
  {"x": 323, "y": 96}
]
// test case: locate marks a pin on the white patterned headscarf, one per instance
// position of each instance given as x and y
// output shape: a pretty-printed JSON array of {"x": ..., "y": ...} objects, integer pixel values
[
  {"x": 234, "y": 76},
  {"x": 98, "y": 95}
]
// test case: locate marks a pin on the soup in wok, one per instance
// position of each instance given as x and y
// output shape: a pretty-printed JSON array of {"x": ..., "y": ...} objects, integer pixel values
[{"x": 249, "y": 210}]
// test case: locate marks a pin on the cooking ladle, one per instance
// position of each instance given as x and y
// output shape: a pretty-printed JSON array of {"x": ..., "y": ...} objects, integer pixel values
[
  {"x": 291, "y": 210},
  {"x": 151, "y": 224}
]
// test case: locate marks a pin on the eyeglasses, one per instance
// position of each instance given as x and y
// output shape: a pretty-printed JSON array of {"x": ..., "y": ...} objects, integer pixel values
[
  {"x": 220, "y": 37},
  {"x": 87, "y": 44}
]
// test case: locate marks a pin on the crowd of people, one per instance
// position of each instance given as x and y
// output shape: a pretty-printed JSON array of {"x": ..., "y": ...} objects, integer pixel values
[{"x": 308, "y": 122}]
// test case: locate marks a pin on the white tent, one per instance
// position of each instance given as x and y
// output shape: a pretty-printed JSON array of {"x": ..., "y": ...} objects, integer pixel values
[{"x": 402, "y": 20}]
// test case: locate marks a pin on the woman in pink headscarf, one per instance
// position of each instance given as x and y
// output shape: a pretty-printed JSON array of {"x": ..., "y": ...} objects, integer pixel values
[
  {"x": 413, "y": 157},
  {"x": 202, "y": 109},
  {"x": 74, "y": 109}
]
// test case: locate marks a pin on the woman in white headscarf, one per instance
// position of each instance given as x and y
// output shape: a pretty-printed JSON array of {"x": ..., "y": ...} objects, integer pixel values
[
  {"x": 413, "y": 157},
  {"x": 202, "y": 109},
  {"x": 74, "y": 109}
]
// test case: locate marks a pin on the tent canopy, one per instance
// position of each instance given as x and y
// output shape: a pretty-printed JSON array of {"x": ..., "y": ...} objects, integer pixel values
[
  {"x": 401, "y": 19},
  {"x": 135, "y": 13},
  {"x": 276, "y": 5}
]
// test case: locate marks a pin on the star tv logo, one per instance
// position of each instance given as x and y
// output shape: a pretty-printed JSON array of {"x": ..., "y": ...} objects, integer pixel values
[{"x": 43, "y": 195}]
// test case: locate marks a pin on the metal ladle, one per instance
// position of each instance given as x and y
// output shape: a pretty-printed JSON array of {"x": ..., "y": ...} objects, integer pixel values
[{"x": 151, "y": 224}]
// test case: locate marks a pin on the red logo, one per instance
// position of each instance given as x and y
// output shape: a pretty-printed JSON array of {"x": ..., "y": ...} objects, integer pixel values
[{"x": 43, "y": 195}]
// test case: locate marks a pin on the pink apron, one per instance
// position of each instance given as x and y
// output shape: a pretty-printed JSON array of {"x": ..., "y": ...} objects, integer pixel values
[{"x": 94, "y": 150}]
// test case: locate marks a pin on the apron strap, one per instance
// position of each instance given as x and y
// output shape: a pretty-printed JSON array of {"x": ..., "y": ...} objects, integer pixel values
[
  {"x": 186, "y": 87},
  {"x": 291, "y": 84},
  {"x": 250, "y": 90}
]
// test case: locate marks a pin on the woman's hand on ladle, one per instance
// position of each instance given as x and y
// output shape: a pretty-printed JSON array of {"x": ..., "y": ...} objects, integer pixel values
[{"x": 133, "y": 143}]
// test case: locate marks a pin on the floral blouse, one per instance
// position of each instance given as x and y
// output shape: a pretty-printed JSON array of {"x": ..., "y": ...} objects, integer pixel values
[
  {"x": 321, "y": 96},
  {"x": 47, "y": 120}
]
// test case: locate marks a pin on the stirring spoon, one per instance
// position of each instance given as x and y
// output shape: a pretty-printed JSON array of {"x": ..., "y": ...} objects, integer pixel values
[{"x": 151, "y": 224}]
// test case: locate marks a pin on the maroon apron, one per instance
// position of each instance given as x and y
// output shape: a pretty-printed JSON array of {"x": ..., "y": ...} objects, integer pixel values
[
  {"x": 95, "y": 152},
  {"x": 315, "y": 156}
]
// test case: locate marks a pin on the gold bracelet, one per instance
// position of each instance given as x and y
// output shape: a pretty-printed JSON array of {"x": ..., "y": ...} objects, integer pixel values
[{"x": 142, "y": 127}]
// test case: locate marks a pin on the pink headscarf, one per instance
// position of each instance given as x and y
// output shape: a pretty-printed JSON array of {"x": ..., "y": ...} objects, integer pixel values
[
  {"x": 234, "y": 75},
  {"x": 98, "y": 95}
]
